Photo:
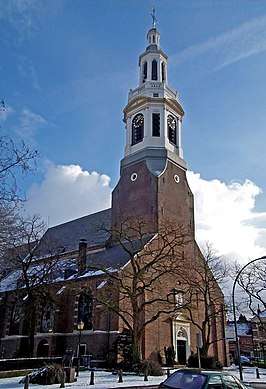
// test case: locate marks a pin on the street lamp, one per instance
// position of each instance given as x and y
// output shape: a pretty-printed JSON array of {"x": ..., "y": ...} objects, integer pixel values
[
  {"x": 80, "y": 328},
  {"x": 234, "y": 312}
]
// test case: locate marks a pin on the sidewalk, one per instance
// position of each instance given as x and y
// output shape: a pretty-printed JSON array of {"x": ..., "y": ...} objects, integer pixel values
[
  {"x": 102, "y": 380},
  {"x": 107, "y": 380}
]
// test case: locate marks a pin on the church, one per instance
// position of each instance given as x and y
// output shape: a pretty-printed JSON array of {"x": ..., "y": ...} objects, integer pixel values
[{"x": 133, "y": 266}]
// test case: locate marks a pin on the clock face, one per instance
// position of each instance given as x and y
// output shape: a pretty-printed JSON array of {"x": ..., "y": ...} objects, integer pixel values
[
  {"x": 171, "y": 122},
  {"x": 138, "y": 120}
]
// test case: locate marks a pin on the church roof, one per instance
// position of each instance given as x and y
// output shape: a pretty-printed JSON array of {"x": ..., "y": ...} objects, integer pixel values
[
  {"x": 65, "y": 237},
  {"x": 117, "y": 255}
]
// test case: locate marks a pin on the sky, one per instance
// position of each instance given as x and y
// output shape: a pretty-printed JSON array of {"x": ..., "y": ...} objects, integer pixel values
[{"x": 66, "y": 68}]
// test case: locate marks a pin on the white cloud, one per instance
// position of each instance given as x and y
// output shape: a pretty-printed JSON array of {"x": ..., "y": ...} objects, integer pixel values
[
  {"x": 29, "y": 124},
  {"x": 225, "y": 217},
  {"x": 68, "y": 192},
  {"x": 241, "y": 42},
  {"x": 224, "y": 213}
]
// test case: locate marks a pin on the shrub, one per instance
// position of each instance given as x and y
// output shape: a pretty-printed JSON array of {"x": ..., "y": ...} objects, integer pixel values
[
  {"x": 153, "y": 367},
  {"x": 122, "y": 346},
  {"x": 47, "y": 375}
]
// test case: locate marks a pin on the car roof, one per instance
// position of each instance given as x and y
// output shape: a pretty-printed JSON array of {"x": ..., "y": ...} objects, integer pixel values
[{"x": 202, "y": 371}]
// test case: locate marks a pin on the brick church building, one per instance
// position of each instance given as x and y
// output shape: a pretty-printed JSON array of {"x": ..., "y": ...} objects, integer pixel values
[{"x": 147, "y": 235}]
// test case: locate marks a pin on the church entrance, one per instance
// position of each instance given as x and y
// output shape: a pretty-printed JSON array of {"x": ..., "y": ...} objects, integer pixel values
[
  {"x": 181, "y": 352},
  {"x": 181, "y": 338}
]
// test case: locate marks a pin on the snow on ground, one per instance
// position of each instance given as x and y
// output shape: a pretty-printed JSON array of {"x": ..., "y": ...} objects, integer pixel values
[
  {"x": 107, "y": 380},
  {"x": 102, "y": 379}
]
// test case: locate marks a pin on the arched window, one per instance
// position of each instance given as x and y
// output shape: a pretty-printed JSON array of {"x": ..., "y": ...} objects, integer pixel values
[
  {"x": 171, "y": 126},
  {"x": 14, "y": 327},
  {"x": 154, "y": 70},
  {"x": 163, "y": 72},
  {"x": 85, "y": 310},
  {"x": 144, "y": 73},
  {"x": 47, "y": 318},
  {"x": 137, "y": 128}
]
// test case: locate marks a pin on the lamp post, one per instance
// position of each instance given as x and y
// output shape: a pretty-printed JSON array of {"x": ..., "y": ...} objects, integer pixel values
[
  {"x": 80, "y": 328},
  {"x": 234, "y": 313}
]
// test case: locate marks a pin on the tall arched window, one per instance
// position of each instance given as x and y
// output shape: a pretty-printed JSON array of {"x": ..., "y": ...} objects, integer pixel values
[
  {"x": 144, "y": 72},
  {"x": 85, "y": 310},
  {"x": 154, "y": 70},
  {"x": 163, "y": 72},
  {"x": 137, "y": 128},
  {"x": 14, "y": 327},
  {"x": 47, "y": 318},
  {"x": 171, "y": 126}
]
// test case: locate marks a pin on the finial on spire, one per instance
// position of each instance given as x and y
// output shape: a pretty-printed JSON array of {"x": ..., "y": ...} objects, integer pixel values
[{"x": 154, "y": 20}]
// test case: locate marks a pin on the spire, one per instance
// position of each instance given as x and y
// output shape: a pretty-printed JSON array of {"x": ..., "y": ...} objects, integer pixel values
[
  {"x": 154, "y": 20},
  {"x": 153, "y": 114},
  {"x": 153, "y": 36}
]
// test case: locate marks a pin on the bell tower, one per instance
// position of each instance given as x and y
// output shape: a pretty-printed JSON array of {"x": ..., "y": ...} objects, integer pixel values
[{"x": 153, "y": 180}]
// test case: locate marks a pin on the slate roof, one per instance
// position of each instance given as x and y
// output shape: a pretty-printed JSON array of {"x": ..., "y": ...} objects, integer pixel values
[
  {"x": 65, "y": 237},
  {"x": 115, "y": 256}
]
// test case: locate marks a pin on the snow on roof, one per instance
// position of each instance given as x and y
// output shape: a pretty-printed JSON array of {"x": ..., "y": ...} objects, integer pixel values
[
  {"x": 10, "y": 281},
  {"x": 112, "y": 258},
  {"x": 101, "y": 285}
]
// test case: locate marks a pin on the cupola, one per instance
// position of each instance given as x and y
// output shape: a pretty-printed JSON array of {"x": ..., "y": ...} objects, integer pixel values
[{"x": 153, "y": 115}]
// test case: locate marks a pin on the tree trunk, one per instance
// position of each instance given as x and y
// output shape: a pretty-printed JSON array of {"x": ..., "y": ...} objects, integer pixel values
[{"x": 31, "y": 320}]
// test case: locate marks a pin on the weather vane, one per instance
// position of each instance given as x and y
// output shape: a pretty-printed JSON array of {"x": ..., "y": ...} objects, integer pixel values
[{"x": 154, "y": 20}]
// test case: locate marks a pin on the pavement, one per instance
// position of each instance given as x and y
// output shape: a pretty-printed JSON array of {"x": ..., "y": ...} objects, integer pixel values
[{"x": 107, "y": 380}]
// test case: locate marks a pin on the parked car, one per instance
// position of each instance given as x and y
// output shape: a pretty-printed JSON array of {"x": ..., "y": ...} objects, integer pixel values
[
  {"x": 202, "y": 379},
  {"x": 245, "y": 361}
]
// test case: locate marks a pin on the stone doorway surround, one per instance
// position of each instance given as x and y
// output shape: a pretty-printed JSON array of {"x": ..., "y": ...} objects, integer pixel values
[{"x": 181, "y": 334}]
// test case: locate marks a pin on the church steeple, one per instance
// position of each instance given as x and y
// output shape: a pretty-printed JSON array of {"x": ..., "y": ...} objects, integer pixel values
[
  {"x": 153, "y": 115},
  {"x": 153, "y": 62},
  {"x": 153, "y": 181}
]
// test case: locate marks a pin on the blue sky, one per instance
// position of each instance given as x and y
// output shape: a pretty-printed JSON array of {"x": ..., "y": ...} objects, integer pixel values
[{"x": 67, "y": 66}]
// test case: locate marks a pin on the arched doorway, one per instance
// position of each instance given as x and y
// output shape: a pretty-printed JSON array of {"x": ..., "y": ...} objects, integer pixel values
[
  {"x": 181, "y": 337},
  {"x": 43, "y": 348},
  {"x": 181, "y": 346}
]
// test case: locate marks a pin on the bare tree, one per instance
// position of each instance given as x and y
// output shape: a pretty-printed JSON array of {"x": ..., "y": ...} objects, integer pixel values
[
  {"x": 204, "y": 295},
  {"x": 8, "y": 224},
  {"x": 145, "y": 287},
  {"x": 253, "y": 282},
  {"x": 33, "y": 268},
  {"x": 16, "y": 158}
]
